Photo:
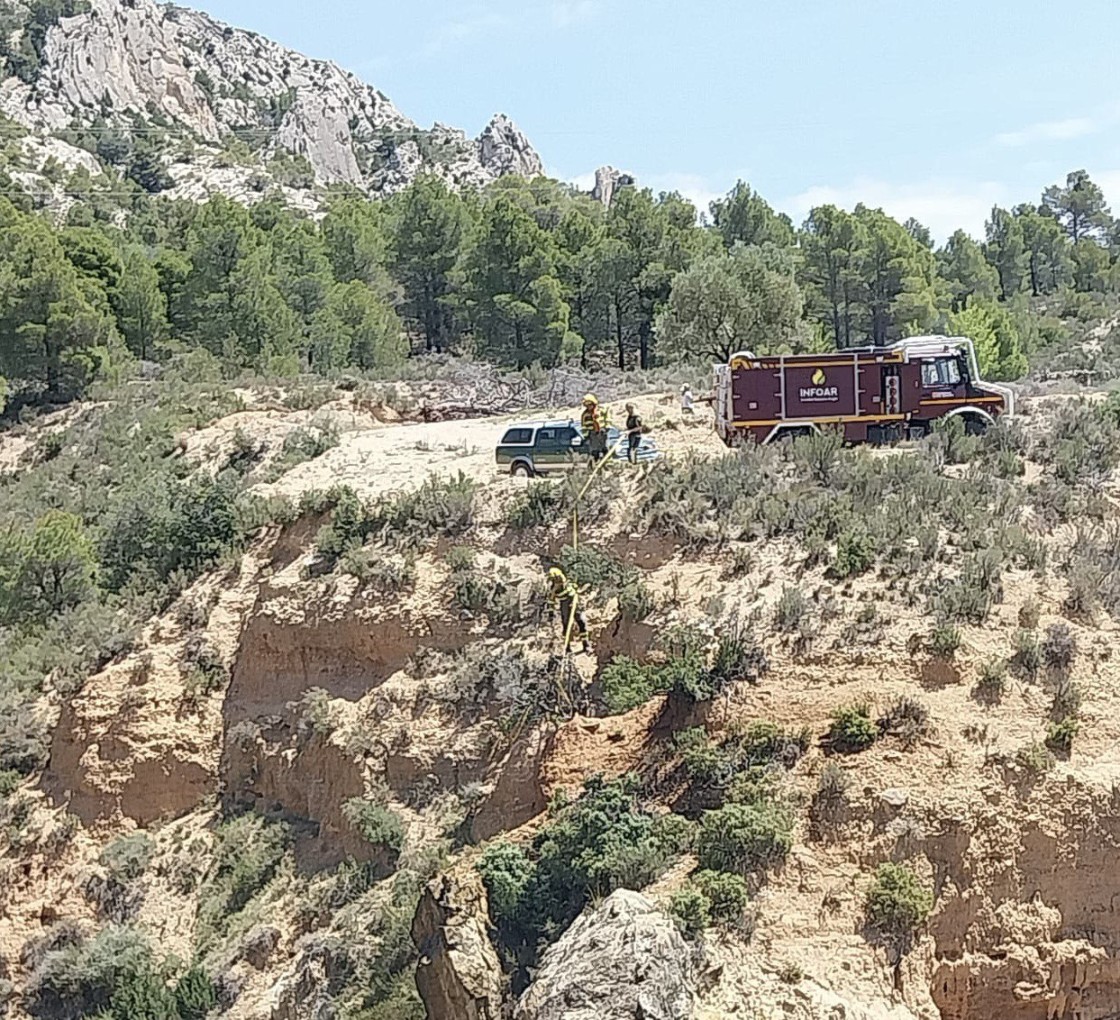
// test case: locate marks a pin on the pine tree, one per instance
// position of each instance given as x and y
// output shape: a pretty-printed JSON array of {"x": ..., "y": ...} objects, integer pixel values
[
  {"x": 1006, "y": 251},
  {"x": 745, "y": 217},
  {"x": 967, "y": 272},
  {"x": 57, "y": 331},
  {"x": 513, "y": 296},
  {"x": 428, "y": 226},
  {"x": 831, "y": 243},
  {"x": 1079, "y": 207},
  {"x": 1049, "y": 264},
  {"x": 141, "y": 307}
]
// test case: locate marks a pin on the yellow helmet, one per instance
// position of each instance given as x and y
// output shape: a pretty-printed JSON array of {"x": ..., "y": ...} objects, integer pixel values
[
  {"x": 591, "y": 399},
  {"x": 556, "y": 574}
]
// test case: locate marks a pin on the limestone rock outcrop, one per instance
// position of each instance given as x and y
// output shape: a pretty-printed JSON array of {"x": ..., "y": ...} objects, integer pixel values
[
  {"x": 203, "y": 84},
  {"x": 622, "y": 960},
  {"x": 607, "y": 182},
  {"x": 459, "y": 976}
]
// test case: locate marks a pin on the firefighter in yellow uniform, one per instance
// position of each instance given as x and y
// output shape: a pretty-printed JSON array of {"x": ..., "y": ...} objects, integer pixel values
[
  {"x": 563, "y": 593},
  {"x": 594, "y": 424}
]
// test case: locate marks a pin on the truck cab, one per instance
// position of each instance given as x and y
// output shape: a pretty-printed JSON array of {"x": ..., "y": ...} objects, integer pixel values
[{"x": 944, "y": 381}]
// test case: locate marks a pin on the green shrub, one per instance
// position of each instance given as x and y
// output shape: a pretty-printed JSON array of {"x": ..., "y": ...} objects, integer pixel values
[
  {"x": 905, "y": 718},
  {"x": 691, "y": 910},
  {"x": 47, "y": 569},
  {"x": 970, "y": 597},
  {"x": 673, "y": 833},
  {"x": 349, "y": 527},
  {"x": 595, "y": 568},
  {"x": 855, "y": 553},
  {"x": 744, "y": 837},
  {"x": 819, "y": 453},
  {"x": 304, "y": 444},
  {"x": 79, "y": 975},
  {"x": 830, "y": 799},
  {"x": 166, "y": 527},
  {"x": 705, "y": 763},
  {"x": 791, "y": 609},
  {"x": 1066, "y": 703},
  {"x": 737, "y": 658},
  {"x": 441, "y": 507},
  {"x": 375, "y": 823},
  {"x": 386, "y": 573},
  {"x": 635, "y": 600},
  {"x": 540, "y": 504},
  {"x": 461, "y": 557},
  {"x": 1060, "y": 735},
  {"x": 628, "y": 684},
  {"x": 506, "y": 871},
  {"x": 195, "y": 995},
  {"x": 944, "y": 641},
  {"x": 247, "y": 855},
  {"x": 951, "y": 439},
  {"x": 1027, "y": 659},
  {"x": 10, "y": 780},
  {"x": 852, "y": 729},
  {"x": 1058, "y": 649},
  {"x": 898, "y": 903},
  {"x": 1034, "y": 759},
  {"x": 127, "y": 857},
  {"x": 726, "y": 893},
  {"x": 1081, "y": 445},
  {"x": 791, "y": 974},
  {"x": 600, "y": 842},
  {"x": 764, "y": 743},
  {"x": 992, "y": 682}
]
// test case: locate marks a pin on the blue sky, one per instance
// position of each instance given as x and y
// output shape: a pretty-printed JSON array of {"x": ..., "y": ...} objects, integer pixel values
[{"x": 934, "y": 109}]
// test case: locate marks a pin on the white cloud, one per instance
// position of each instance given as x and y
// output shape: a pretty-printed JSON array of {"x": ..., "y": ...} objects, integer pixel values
[
  {"x": 1051, "y": 131},
  {"x": 585, "y": 182},
  {"x": 572, "y": 12},
  {"x": 941, "y": 205}
]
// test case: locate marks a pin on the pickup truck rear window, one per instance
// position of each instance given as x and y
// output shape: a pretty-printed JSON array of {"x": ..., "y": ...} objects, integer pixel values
[{"x": 517, "y": 437}]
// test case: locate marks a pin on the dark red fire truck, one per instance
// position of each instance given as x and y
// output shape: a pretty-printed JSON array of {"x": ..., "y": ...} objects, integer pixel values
[{"x": 876, "y": 394}]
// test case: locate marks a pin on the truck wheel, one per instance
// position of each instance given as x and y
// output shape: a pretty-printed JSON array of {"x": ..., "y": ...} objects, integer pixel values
[
  {"x": 521, "y": 470},
  {"x": 789, "y": 435},
  {"x": 974, "y": 425}
]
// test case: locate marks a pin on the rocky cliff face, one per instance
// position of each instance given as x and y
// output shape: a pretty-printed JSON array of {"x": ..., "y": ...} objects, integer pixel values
[{"x": 177, "y": 75}]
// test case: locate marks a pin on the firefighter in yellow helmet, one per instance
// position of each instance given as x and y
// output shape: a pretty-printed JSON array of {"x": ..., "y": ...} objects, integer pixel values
[
  {"x": 594, "y": 426},
  {"x": 563, "y": 593}
]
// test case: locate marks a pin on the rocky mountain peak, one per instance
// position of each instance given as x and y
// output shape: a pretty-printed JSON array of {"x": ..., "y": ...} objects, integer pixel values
[{"x": 219, "y": 98}]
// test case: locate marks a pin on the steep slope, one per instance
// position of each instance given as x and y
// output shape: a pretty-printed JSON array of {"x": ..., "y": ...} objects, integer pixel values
[
  {"x": 396, "y": 686},
  {"x": 207, "y": 95}
]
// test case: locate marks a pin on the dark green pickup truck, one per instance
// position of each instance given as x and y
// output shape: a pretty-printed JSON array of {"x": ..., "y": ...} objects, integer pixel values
[{"x": 542, "y": 447}]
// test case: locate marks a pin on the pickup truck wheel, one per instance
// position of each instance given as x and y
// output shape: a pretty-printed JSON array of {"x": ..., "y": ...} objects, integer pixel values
[{"x": 521, "y": 470}]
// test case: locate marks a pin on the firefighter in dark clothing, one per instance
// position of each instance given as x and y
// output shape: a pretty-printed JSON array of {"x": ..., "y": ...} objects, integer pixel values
[
  {"x": 594, "y": 427},
  {"x": 564, "y": 594},
  {"x": 633, "y": 433}
]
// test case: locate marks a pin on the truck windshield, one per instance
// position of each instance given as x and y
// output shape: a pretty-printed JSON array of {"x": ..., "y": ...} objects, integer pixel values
[{"x": 942, "y": 372}]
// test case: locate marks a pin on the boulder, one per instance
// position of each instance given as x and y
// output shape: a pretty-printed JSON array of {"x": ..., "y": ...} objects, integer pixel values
[
  {"x": 459, "y": 976},
  {"x": 621, "y": 960}
]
